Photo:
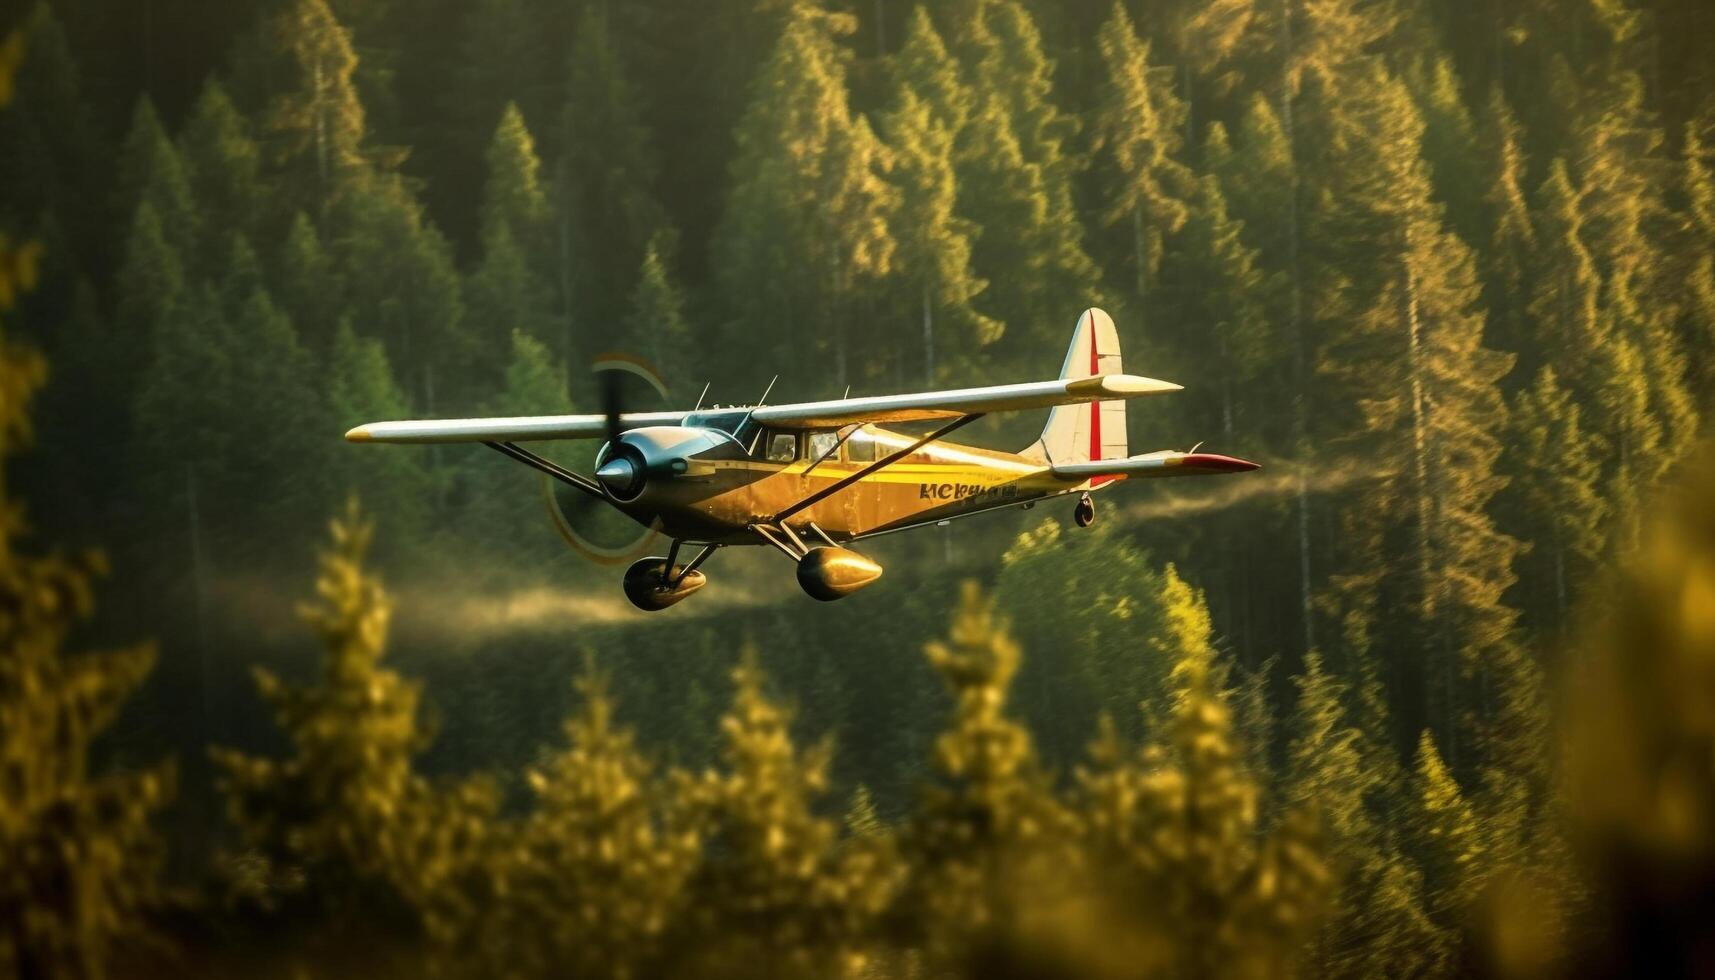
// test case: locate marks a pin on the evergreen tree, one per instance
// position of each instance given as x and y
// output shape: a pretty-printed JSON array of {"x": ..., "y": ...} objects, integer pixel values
[
  {"x": 223, "y": 162},
  {"x": 345, "y": 813},
  {"x": 1176, "y": 825},
  {"x": 513, "y": 200},
  {"x": 1140, "y": 129},
  {"x": 772, "y": 883},
  {"x": 657, "y": 321},
  {"x": 1556, "y": 471},
  {"x": 306, "y": 284},
  {"x": 151, "y": 277},
  {"x": 1451, "y": 844},
  {"x": 401, "y": 286},
  {"x": 806, "y": 221},
  {"x": 52, "y": 161},
  {"x": 605, "y": 201},
  {"x": 151, "y": 172},
  {"x": 81, "y": 859},
  {"x": 989, "y": 825},
  {"x": 184, "y": 429},
  {"x": 1410, "y": 338},
  {"x": 603, "y": 860},
  {"x": 1511, "y": 241},
  {"x": 934, "y": 243},
  {"x": 317, "y": 123},
  {"x": 1090, "y": 611},
  {"x": 361, "y": 388},
  {"x": 1015, "y": 173}
]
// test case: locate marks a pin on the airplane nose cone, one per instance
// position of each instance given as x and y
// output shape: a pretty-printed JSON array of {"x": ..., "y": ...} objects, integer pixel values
[{"x": 619, "y": 475}]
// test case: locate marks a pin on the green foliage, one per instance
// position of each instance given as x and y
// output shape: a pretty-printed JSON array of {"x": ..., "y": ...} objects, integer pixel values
[
  {"x": 806, "y": 223},
  {"x": 344, "y": 819},
  {"x": 656, "y": 324},
  {"x": 318, "y": 120},
  {"x": 79, "y": 859}
]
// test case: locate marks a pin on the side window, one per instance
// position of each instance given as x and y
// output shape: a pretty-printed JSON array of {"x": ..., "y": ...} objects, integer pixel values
[
  {"x": 782, "y": 447},
  {"x": 860, "y": 447},
  {"x": 821, "y": 444}
]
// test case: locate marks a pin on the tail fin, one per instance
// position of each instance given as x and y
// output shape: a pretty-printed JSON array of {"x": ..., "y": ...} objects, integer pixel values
[{"x": 1094, "y": 430}]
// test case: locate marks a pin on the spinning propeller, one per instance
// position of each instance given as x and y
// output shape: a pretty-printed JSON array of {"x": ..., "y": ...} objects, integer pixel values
[{"x": 590, "y": 525}]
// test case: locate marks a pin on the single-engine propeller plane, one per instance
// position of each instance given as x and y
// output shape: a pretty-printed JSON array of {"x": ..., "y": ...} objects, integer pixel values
[{"x": 809, "y": 479}]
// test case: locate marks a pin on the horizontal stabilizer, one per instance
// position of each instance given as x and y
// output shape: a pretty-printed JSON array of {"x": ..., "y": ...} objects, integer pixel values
[{"x": 1156, "y": 464}]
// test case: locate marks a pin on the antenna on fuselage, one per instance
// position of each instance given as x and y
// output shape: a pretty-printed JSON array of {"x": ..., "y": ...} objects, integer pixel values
[{"x": 702, "y": 396}]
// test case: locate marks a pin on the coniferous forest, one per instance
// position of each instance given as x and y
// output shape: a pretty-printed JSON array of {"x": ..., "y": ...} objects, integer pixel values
[{"x": 1430, "y": 695}]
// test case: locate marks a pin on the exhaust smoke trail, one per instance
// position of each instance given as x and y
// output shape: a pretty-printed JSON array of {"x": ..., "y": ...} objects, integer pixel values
[{"x": 1278, "y": 478}]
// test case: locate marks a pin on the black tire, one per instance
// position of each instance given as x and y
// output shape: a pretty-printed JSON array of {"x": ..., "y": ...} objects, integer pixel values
[{"x": 1085, "y": 512}]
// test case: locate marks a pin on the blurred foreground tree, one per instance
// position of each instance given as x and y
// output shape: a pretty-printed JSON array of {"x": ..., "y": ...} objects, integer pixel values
[
  {"x": 78, "y": 858},
  {"x": 344, "y": 821}
]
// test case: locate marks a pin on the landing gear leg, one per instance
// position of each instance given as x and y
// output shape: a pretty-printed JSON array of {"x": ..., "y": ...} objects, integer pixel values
[{"x": 1085, "y": 512}]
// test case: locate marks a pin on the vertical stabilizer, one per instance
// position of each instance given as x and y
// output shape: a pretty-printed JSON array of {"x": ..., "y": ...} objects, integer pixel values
[{"x": 1095, "y": 430}]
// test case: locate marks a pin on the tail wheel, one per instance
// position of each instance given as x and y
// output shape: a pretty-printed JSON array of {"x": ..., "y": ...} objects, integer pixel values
[{"x": 1085, "y": 512}]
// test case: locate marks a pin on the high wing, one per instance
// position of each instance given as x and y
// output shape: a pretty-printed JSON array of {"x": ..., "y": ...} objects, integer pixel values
[
  {"x": 962, "y": 401},
  {"x": 1156, "y": 464},
  {"x": 803, "y": 415},
  {"x": 515, "y": 429}
]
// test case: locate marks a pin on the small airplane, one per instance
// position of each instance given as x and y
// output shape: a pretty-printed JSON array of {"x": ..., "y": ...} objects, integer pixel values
[{"x": 809, "y": 479}]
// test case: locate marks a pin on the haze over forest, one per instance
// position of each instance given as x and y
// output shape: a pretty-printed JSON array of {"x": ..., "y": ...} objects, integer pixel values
[{"x": 1446, "y": 269}]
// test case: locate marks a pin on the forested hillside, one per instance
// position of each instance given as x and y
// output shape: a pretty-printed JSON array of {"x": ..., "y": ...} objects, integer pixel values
[{"x": 1446, "y": 269}]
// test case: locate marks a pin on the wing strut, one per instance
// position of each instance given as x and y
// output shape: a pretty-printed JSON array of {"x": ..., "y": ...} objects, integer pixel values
[
  {"x": 885, "y": 461},
  {"x": 547, "y": 466}
]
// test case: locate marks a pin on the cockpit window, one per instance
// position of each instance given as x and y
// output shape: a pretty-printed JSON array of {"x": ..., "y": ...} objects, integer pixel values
[
  {"x": 860, "y": 447},
  {"x": 782, "y": 447},
  {"x": 821, "y": 444}
]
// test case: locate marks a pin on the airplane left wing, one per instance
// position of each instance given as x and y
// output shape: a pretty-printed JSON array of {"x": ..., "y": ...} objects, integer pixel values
[
  {"x": 514, "y": 429},
  {"x": 962, "y": 401}
]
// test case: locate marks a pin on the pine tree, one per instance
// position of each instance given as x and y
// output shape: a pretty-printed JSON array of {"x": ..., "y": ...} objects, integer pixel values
[
  {"x": 185, "y": 429},
  {"x": 805, "y": 226},
  {"x": 1409, "y": 350},
  {"x": 81, "y": 859},
  {"x": 1452, "y": 848},
  {"x": 361, "y": 388},
  {"x": 1089, "y": 610},
  {"x": 151, "y": 172},
  {"x": 1511, "y": 237},
  {"x": 656, "y": 323},
  {"x": 223, "y": 162},
  {"x": 1378, "y": 923},
  {"x": 773, "y": 884},
  {"x": 934, "y": 243},
  {"x": 151, "y": 277},
  {"x": 318, "y": 121},
  {"x": 1140, "y": 130},
  {"x": 306, "y": 284},
  {"x": 345, "y": 814},
  {"x": 988, "y": 828},
  {"x": 1698, "y": 188},
  {"x": 504, "y": 295},
  {"x": 1219, "y": 297},
  {"x": 513, "y": 200},
  {"x": 605, "y": 204},
  {"x": 1556, "y": 471},
  {"x": 53, "y": 159},
  {"x": 1015, "y": 173},
  {"x": 401, "y": 286},
  {"x": 1175, "y": 826},
  {"x": 603, "y": 860}
]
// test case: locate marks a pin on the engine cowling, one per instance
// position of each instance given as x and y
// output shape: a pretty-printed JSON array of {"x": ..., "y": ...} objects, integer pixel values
[{"x": 834, "y": 573}]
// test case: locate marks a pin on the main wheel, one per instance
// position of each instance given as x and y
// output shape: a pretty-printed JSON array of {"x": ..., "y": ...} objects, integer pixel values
[
  {"x": 651, "y": 589},
  {"x": 1085, "y": 512}
]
